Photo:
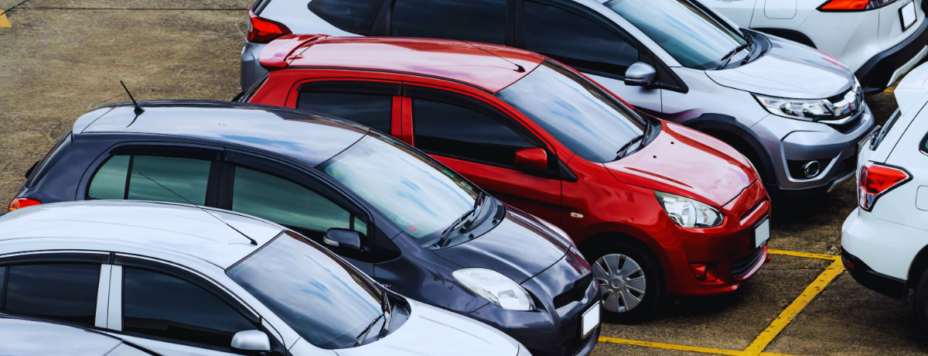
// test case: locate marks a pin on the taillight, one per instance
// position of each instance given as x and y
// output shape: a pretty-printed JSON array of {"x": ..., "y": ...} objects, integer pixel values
[
  {"x": 875, "y": 180},
  {"x": 20, "y": 203},
  {"x": 854, "y": 5},
  {"x": 263, "y": 30}
]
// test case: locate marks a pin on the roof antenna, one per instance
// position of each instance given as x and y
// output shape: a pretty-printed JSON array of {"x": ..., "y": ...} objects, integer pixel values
[
  {"x": 519, "y": 68},
  {"x": 138, "y": 109},
  {"x": 253, "y": 242}
]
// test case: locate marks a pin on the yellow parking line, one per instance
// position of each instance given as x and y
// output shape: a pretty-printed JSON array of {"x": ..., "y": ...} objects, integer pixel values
[
  {"x": 889, "y": 90},
  {"x": 804, "y": 254},
  {"x": 788, "y": 314},
  {"x": 4, "y": 22},
  {"x": 704, "y": 350}
]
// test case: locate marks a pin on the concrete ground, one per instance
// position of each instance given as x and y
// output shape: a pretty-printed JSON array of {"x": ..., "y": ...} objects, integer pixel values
[{"x": 61, "y": 58}]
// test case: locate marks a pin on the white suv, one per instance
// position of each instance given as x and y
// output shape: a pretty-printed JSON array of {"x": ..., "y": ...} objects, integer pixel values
[
  {"x": 885, "y": 240},
  {"x": 880, "y": 40}
]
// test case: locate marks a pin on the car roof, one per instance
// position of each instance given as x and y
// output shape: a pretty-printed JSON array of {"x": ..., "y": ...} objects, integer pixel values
[
  {"x": 489, "y": 67},
  {"x": 309, "y": 137},
  {"x": 124, "y": 225},
  {"x": 22, "y": 337}
]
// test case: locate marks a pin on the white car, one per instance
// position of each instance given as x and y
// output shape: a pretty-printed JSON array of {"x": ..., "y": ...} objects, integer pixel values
[
  {"x": 182, "y": 280},
  {"x": 885, "y": 240},
  {"x": 880, "y": 40}
]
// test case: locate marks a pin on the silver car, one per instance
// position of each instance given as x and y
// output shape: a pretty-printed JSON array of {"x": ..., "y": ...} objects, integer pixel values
[
  {"x": 184, "y": 280},
  {"x": 20, "y": 336},
  {"x": 795, "y": 112}
]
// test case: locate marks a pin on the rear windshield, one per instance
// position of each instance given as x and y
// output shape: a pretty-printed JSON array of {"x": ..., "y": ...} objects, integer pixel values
[
  {"x": 589, "y": 121},
  {"x": 43, "y": 166},
  {"x": 355, "y": 16}
]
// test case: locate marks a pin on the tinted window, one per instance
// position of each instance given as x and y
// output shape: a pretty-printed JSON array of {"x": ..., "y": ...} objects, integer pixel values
[
  {"x": 65, "y": 292},
  {"x": 160, "y": 305},
  {"x": 576, "y": 40},
  {"x": 454, "y": 131},
  {"x": 110, "y": 180},
  {"x": 52, "y": 157},
  {"x": 320, "y": 296},
  {"x": 690, "y": 35},
  {"x": 286, "y": 203},
  {"x": 355, "y": 16},
  {"x": 418, "y": 194},
  {"x": 470, "y": 20},
  {"x": 371, "y": 110},
  {"x": 184, "y": 176},
  {"x": 587, "y": 120}
]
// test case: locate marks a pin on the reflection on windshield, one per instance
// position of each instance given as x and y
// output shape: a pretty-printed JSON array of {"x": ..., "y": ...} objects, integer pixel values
[
  {"x": 581, "y": 116},
  {"x": 318, "y": 295},
  {"x": 419, "y": 195},
  {"x": 691, "y": 36}
]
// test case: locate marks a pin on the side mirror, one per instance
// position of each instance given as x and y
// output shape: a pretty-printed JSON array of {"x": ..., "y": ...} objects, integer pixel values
[
  {"x": 532, "y": 159},
  {"x": 251, "y": 341},
  {"x": 349, "y": 239},
  {"x": 640, "y": 74}
]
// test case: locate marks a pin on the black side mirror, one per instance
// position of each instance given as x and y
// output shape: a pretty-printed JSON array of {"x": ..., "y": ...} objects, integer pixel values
[{"x": 349, "y": 239}]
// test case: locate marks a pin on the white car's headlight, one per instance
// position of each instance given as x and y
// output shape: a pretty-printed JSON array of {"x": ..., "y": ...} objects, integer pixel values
[
  {"x": 495, "y": 288},
  {"x": 687, "y": 212}
]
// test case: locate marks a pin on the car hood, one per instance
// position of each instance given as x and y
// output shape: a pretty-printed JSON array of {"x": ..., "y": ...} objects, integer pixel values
[
  {"x": 518, "y": 248},
  {"x": 432, "y": 331},
  {"x": 686, "y": 162},
  {"x": 788, "y": 70}
]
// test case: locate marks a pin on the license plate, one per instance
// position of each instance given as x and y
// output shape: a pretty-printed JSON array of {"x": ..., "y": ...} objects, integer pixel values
[
  {"x": 761, "y": 233},
  {"x": 907, "y": 15},
  {"x": 589, "y": 321}
]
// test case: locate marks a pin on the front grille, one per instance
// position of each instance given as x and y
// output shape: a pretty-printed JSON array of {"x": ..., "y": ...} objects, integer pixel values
[
  {"x": 574, "y": 294},
  {"x": 573, "y": 347},
  {"x": 742, "y": 266},
  {"x": 847, "y": 166}
]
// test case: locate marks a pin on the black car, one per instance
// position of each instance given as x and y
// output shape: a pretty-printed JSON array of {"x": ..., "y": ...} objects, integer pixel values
[{"x": 400, "y": 216}]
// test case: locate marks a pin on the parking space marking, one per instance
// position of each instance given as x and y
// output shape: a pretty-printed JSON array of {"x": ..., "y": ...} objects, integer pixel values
[
  {"x": 790, "y": 313},
  {"x": 658, "y": 345},
  {"x": 804, "y": 254},
  {"x": 4, "y": 21}
]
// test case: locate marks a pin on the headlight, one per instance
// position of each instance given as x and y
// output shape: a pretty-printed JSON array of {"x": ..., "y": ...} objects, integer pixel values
[
  {"x": 815, "y": 109},
  {"x": 495, "y": 288},
  {"x": 687, "y": 212}
]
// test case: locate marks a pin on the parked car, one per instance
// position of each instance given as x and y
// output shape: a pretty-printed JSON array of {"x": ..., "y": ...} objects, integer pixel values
[
  {"x": 185, "y": 280},
  {"x": 396, "y": 214},
  {"x": 880, "y": 40},
  {"x": 635, "y": 193},
  {"x": 885, "y": 240},
  {"x": 29, "y": 337},
  {"x": 796, "y": 113}
]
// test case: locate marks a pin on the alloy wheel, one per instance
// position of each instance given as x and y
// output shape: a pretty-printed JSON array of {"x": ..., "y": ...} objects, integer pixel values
[{"x": 621, "y": 281}]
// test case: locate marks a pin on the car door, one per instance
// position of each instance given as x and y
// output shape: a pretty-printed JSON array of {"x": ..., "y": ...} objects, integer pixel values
[
  {"x": 479, "y": 141},
  {"x": 580, "y": 38},
  {"x": 174, "y": 311},
  {"x": 487, "y": 21},
  {"x": 54, "y": 286},
  {"x": 283, "y": 194}
]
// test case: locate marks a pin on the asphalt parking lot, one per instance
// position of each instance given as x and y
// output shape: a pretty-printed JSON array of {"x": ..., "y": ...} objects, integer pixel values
[{"x": 62, "y": 58}]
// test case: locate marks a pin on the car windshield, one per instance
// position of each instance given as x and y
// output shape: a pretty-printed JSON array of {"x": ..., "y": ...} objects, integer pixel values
[
  {"x": 586, "y": 119},
  {"x": 692, "y": 36},
  {"x": 416, "y": 192},
  {"x": 319, "y": 295}
]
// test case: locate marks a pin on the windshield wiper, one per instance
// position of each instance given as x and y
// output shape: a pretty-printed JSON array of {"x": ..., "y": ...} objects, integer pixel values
[
  {"x": 624, "y": 150},
  {"x": 473, "y": 211},
  {"x": 751, "y": 47},
  {"x": 727, "y": 57},
  {"x": 363, "y": 335},
  {"x": 388, "y": 312}
]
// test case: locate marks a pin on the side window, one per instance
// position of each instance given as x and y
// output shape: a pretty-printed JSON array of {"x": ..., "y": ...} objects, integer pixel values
[
  {"x": 576, "y": 40},
  {"x": 289, "y": 204},
  {"x": 187, "y": 177},
  {"x": 66, "y": 292},
  {"x": 470, "y": 20},
  {"x": 355, "y": 16},
  {"x": 371, "y": 110},
  {"x": 458, "y": 132},
  {"x": 163, "y": 306}
]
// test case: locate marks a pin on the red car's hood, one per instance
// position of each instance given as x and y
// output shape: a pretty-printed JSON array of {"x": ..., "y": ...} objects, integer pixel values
[{"x": 686, "y": 162}]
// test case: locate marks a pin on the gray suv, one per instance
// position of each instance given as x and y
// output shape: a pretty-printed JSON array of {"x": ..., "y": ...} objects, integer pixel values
[{"x": 795, "y": 112}]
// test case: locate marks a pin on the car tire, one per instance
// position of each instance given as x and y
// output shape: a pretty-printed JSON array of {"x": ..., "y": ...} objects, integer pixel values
[
  {"x": 921, "y": 300},
  {"x": 618, "y": 290}
]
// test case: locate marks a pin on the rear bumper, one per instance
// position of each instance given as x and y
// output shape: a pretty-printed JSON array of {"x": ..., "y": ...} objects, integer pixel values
[
  {"x": 878, "y": 73},
  {"x": 867, "y": 277}
]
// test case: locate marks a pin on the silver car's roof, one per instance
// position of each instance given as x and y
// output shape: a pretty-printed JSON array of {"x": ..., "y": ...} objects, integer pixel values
[
  {"x": 311, "y": 138},
  {"x": 132, "y": 226}
]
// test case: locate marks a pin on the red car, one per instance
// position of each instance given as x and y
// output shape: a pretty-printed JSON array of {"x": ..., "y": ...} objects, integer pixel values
[{"x": 659, "y": 209}]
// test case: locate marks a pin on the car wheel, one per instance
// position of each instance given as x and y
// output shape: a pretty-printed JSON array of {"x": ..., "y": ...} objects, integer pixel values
[
  {"x": 921, "y": 299},
  {"x": 629, "y": 281}
]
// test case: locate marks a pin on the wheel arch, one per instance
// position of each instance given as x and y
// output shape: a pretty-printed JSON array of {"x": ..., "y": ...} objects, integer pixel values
[
  {"x": 917, "y": 268},
  {"x": 663, "y": 263}
]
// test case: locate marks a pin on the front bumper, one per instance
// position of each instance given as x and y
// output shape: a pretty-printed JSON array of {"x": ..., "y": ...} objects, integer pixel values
[
  {"x": 251, "y": 67},
  {"x": 552, "y": 329},
  {"x": 883, "y": 69}
]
